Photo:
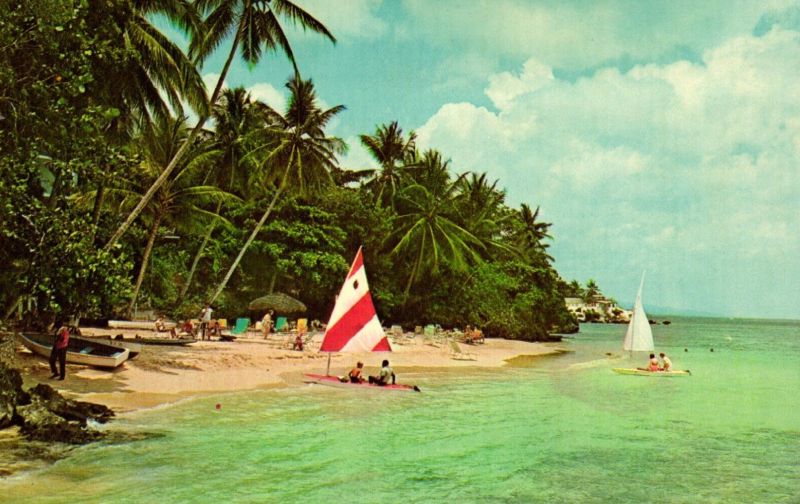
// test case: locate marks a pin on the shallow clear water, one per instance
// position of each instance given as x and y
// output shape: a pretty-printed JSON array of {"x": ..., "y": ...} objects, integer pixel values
[{"x": 565, "y": 430}]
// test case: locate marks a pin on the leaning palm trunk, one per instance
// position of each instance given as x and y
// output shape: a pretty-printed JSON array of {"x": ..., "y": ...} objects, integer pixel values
[
  {"x": 197, "y": 256},
  {"x": 145, "y": 260},
  {"x": 255, "y": 232},
  {"x": 178, "y": 155}
]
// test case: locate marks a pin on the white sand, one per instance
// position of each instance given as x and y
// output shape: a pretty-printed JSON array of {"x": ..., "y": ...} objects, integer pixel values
[{"x": 163, "y": 374}]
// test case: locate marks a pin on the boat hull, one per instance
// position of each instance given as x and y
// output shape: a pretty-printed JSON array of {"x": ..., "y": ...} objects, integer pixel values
[
  {"x": 165, "y": 341},
  {"x": 80, "y": 351},
  {"x": 661, "y": 374},
  {"x": 129, "y": 342},
  {"x": 333, "y": 381},
  {"x": 134, "y": 349}
]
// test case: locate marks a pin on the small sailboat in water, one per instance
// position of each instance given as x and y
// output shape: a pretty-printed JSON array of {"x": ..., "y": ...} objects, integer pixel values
[
  {"x": 354, "y": 327},
  {"x": 639, "y": 338}
]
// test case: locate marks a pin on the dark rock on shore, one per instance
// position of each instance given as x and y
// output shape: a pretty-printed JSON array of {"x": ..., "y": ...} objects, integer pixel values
[
  {"x": 51, "y": 417},
  {"x": 11, "y": 394},
  {"x": 45, "y": 415}
]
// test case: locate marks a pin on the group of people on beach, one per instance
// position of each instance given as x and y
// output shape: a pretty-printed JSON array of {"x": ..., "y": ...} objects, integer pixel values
[
  {"x": 384, "y": 377},
  {"x": 662, "y": 364}
]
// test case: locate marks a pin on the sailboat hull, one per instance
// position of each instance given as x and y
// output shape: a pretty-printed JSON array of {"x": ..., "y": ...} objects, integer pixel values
[
  {"x": 661, "y": 374},
  {"x": 333, "y": 381}
]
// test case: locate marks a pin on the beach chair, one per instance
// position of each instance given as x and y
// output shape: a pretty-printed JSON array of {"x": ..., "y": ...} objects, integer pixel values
[
  {"x": 302, "y": 325},
  {"x": 428, "y": 334},
  {"x": 281, "y": 324},
  {"x": 396, "y": 334},
  {"x": 418, "y": 329},
  {"x": 458, "y": 354},
  {"x": 223, "y": 323},
  {"x": 239, "y": 329}
]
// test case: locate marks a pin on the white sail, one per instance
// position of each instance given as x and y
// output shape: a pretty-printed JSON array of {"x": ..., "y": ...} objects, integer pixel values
[{"x": 639, "y": 337}]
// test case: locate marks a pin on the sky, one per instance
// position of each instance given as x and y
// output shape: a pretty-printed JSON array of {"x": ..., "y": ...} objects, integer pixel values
[{"x": 655, "y": 136}]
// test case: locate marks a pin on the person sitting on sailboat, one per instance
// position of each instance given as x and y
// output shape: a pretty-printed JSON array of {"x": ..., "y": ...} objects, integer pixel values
[
  {"x": 385, "y": 376},
  {"x": 666, "y": 364},
  {"x": 355, "y": 373},
  {"x": 652, "y": 365}
]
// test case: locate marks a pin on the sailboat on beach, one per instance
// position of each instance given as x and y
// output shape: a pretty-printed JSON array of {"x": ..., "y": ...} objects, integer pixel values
[
  {"x": 639, "y": 338},
  {"x": 354, "y": 327}
]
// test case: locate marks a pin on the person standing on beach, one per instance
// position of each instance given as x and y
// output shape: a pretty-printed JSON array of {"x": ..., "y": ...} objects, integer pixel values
[
  {"x": 59, "y": 353},
  {"x": 266, "y": 323},
  {"x": 205, "y": 319}
]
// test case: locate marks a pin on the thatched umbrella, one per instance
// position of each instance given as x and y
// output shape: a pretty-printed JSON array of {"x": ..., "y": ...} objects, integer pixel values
[{"x": 278, "y": 301}]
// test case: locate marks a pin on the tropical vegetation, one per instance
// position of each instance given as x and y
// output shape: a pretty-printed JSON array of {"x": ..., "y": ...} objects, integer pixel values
[{"x": 112, "y": 202}]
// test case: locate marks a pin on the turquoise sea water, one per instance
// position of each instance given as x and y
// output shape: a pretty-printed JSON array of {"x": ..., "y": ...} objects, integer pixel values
[{"x": 566, "y": 429}]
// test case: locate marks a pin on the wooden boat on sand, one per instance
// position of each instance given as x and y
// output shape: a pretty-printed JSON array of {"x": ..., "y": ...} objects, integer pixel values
[
  {"x": 84, "y": 351},
  {"x": 151, "y": 341}
]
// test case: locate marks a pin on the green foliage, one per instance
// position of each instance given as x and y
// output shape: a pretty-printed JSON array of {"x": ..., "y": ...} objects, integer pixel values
[{"x": 84, "y": 132}]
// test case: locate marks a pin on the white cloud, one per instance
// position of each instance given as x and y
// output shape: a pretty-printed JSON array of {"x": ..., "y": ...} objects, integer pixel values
[
  {"x": 351, "y": 18},
  {"x": 266, "y": 93},
  {"x": 689, "y": 170},
  {"x": 357, "y": 158},
  {"x": 580, "y": 34},
  {"x": 505, "y": 87},
  {"x": 210, "y": 80}
]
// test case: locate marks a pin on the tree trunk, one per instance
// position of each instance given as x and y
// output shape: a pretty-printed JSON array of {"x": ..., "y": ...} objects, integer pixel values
[
  {"x": 247, "y": 244},
  {"x": 178, "y": 155},
  {"x": 99, "y": 199},
  {"x": 197, "y": 257},
  {"x": 145, "y": 259},
  {"x": 253, "y": 235}
]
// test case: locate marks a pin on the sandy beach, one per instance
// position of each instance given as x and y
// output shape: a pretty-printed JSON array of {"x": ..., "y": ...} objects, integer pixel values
[{"x": 166, "y": 374}]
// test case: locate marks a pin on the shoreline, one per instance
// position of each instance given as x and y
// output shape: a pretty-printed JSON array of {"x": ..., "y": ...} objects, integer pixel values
[{"x": 163, "y": 375}]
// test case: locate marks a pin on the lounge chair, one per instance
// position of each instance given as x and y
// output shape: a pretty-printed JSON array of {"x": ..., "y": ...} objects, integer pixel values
[
  {"x": 458, "y": 354},
  {"x": 240, "y": 328},
  {"x": 281, "y": 324},
  {"x": 396, "y": 333},
  {"x": 302, "y": 325},
  {"x": 429, "y": 335}
]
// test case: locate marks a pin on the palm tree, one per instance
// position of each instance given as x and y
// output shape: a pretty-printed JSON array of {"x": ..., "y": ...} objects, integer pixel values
[
  {"x": 430, "y": 169},
  {"x": 532, "y": 235},
  {"x": 161, "y": 69},
  {"x": 304, "y": 155},
  {"x": 237, "y": 117},
  {"x": 180, "y": 203},
  {"x": 427, "y": 232},
  {"x": 255, "y": 26},
  {"x": 481, "y": 210},
  {"x": 391, "y": 150},
  {"x": 592, "y": 291}
]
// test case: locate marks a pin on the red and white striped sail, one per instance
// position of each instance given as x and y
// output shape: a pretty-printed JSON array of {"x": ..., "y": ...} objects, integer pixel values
[{"x": 354, "y": 325}]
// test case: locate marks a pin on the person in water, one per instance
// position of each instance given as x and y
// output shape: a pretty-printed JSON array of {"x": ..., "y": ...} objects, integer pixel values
[
  {"x": 385, "y": 376},
  {"x": 666, "y": 364},
  {"x": 355, "y": 374}
]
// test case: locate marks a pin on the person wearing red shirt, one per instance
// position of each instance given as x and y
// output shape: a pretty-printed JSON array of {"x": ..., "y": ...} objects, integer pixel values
[{"x": 59, "y": 353}]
